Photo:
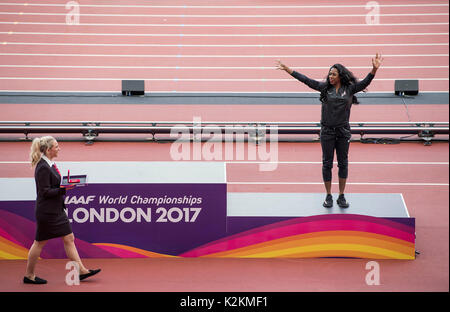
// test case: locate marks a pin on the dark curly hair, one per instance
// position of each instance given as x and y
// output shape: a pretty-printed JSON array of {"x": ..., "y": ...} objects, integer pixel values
[{"x": 347, "y": 78}]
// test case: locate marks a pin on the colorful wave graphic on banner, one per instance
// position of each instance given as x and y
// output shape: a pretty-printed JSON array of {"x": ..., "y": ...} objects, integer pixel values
[
  {"x": 124, "y": 251},
  {"x": 333, "y": 235},
  {"x": 17, "y": 235}
]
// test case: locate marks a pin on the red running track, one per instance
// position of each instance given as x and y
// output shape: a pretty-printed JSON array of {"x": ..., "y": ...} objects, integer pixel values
[
  {"x": 419, "y": 173},
  {"x": 225, "y": 47},
  {"x": 217, "y": 113}
]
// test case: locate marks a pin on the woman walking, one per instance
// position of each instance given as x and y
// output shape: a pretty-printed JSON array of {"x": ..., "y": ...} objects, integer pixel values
[
  {"x": 51, "y": 218},
  {"x": 337, "y": 97}
]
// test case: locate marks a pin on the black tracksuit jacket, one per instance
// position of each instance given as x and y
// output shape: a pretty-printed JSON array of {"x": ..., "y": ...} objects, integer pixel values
[{"x": 336, "y": 109}]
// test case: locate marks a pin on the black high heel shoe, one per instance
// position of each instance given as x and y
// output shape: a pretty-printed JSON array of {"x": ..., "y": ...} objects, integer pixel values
[
  {"x": 37, "y": 280},
  {"x": 91, "y": 272}
]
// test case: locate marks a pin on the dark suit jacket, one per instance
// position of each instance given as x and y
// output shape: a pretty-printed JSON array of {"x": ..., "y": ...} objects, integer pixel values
[{"x": 50, "y": 197}]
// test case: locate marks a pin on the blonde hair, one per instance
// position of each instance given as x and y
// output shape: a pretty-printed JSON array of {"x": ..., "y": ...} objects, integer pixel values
[{"x": 38, "y": 147}]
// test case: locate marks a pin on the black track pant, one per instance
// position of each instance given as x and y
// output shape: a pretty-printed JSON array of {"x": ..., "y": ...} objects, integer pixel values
[{"x": 333, "y": 139}]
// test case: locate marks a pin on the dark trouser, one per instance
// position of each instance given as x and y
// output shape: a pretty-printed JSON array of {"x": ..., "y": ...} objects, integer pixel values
[{"x": 335, "y": 139}]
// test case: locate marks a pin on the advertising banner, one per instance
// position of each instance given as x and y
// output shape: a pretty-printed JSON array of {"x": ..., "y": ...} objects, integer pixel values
[{"x": 125, "y": 213}]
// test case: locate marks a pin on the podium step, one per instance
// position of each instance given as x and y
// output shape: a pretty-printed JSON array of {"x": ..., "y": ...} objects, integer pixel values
[{"x": 310, "y": 204}]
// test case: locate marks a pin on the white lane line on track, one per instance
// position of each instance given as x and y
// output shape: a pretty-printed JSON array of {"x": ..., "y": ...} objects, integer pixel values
[
  {"x": 225, "y": 45},
  {"x": 232, "y": 25},
  {"x": 219, "y": 56},
  {"x": 223, "y": 35},
  {"x": 191, "y": 92},
  {"x": 210, "y": 67},
  {"x": 230, "y": 6},
  {"x": 336, "y": 183},
  {"x": 195, "y": 79},
  {"x": 421, "y": 163},
  {"x": 222, "y": 16}
]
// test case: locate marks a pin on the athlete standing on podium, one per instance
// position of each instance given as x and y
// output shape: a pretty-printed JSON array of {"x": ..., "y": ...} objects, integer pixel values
[{"x": 337, "y": 97}]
